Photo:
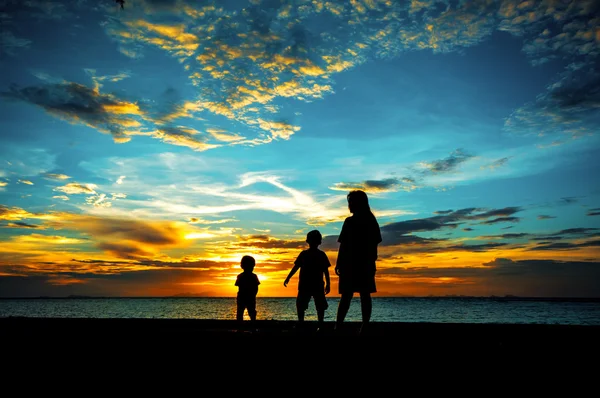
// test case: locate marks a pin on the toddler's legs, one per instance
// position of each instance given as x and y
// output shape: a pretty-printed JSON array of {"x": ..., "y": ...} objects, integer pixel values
[
  {"x": 252, "y": 310},
  {"x": 240, "y": 312}
]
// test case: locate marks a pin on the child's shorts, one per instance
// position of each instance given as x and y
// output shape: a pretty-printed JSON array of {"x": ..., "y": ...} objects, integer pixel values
[{"x": 304, "y": 298}]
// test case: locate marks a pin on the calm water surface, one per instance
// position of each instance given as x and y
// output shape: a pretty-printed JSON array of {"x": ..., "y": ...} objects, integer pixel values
[{"x": 440, "y": 310}]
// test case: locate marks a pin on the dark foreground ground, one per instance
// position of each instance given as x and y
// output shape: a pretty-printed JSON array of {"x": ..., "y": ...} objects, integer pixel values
[
  {"x": 387, "y": 354},
  {"x": 389, "y": 336},
  {"x": 277, "y": 356}
]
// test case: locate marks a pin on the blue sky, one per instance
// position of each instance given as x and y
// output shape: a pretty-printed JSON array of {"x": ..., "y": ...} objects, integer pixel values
[{"x": 145, "y": 150}]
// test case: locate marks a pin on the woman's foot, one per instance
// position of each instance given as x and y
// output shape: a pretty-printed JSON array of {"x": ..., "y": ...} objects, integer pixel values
[{"x": 364, "y": 329}]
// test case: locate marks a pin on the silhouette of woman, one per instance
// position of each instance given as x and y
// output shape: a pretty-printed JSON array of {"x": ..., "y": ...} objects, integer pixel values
[{"x": 356, "y": 259}]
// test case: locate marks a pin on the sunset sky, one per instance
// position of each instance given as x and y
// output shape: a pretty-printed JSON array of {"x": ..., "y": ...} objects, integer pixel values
[{"x": 145, "y": 150}]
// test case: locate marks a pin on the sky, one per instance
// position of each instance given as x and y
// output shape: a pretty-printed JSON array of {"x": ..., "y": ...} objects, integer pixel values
[{"x": 146, "y": 148}]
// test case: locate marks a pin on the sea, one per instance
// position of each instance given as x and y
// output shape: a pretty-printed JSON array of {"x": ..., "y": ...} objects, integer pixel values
[{"x": 509, "y": 310}]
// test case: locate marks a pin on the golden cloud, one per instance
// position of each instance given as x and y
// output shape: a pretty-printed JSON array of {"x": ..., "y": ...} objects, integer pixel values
[
  {"x": 53, "y": 176},
  {"x": 50, "y": 239},
  {"x": 76, "y": 188},
  {"x": 16, "y": 213}
]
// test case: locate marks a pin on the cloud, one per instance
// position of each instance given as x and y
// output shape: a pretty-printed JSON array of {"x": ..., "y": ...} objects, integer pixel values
[
  {"x": 568, "y": 200},
  {"x": 576, "y": 231},
  {"x": 48, "y": 239},
  {"x": 506, "y": 236},
  {"x": 77, "y": 103},
  {"x": 576, "y": 277},
  {"x": 268, "y": 242},
  {"x": 542, "y": 246},
  {"x": 196, "y": 220},
  {"x": 124, "y": 250},
  {"x": 120, "y": 180},
  {"x": 545, "y": 217},
  {"x": 556, "y": 30},
  {"x": 61, "y": 197},
  {"x": 26, "y": 160},
  {"x": 398, "y": 232},
  {"x": 505, "y": 276},
  {"x": 222, "y": 135},
  {"x": 183, "y": 136},
  {"x": 418, "y": 225},
  {"x": 172, "y": 38},
  {"x": 247, "y": 63},
  {"x": 20, "y": 224},
  {"x": 594, "y": 212},
  {"x": 12, "y": 44},
  {"x": 127, "y": 237},
  {"x": 442, "y": 212},
  {"x": 98, "y": 201},
  {"x": 59, "y": 177},
  {"x": 27, "y": 182},
  {"x": 242, "y": 61},
  {"x": 448, "y": 164},
  {"x": 279, "y": 129},
  {"x": 496, "y": 164},
  {"x": 255, "y": 192},
  {"x": 570, "y": 106},
  {"x": 377, "y": 186},
  {"x": 99, "y": 80},
  {"x": 76, "y": 188},
  {"x": 16, "y": 213},
  {"x": 502, "y": 219}
]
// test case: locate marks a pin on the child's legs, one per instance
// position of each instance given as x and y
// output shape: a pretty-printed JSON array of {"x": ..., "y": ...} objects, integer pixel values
[
  {"x": 302, "y": 301},
  {"x": 320, "y": 305}
]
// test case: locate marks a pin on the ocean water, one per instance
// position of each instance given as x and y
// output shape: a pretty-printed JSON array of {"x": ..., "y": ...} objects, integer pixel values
[{"x": 396, "y": 309}]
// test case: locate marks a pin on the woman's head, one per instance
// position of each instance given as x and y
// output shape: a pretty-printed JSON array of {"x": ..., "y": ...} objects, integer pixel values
[{"x": 358, "y": 202}]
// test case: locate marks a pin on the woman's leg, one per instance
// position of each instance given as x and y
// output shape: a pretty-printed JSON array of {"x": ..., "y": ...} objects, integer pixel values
[
  {"x": 366, "y": 306},
  {"x": 343, "y": 307}
]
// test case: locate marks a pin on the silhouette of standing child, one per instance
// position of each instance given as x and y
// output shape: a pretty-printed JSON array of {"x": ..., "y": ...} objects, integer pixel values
[
  {"x": 356, "y": 259},
  {"x": 313, "y": 265},
  {"x": 247, "y": 283}
]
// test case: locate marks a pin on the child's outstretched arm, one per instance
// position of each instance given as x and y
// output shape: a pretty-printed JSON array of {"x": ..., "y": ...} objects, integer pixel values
[
  {"x": 292, "y": 272},
  {"x": 327, "y": 281}
]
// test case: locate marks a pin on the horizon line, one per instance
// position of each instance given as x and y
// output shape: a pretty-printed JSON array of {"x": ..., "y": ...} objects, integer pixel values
[{"x": 184, "y": 296}]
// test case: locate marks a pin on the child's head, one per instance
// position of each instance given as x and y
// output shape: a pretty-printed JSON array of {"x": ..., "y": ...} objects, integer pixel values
[
  {"x": 248, "y": 263},
  {"x": 314, "y": 238}
]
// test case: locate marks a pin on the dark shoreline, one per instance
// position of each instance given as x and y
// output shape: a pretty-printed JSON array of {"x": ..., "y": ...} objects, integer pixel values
[{"x": 466, "y": 335}]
